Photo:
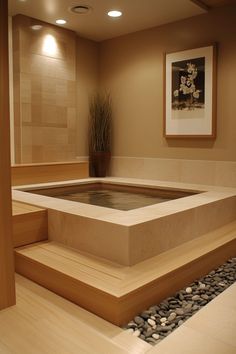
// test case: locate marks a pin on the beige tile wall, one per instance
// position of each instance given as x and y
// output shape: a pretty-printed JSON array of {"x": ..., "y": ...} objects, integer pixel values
[
  {"x": 219, "y": 173},
  {"x": 44, "y": 92}
]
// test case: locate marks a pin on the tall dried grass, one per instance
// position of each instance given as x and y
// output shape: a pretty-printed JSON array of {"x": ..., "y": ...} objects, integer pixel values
[{"x": 100, "y": 121}]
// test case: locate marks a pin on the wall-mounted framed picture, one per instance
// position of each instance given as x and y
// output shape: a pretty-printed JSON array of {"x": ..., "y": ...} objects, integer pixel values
[{"x": 190, "y": 93}]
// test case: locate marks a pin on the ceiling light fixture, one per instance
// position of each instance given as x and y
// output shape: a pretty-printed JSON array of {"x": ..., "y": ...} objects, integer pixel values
[
  {"x": 36, "y": 27},
  {"x": 114, "y": 13},
  {"x": 80, "y": 9},
  {"x": 61, "y": 21}
]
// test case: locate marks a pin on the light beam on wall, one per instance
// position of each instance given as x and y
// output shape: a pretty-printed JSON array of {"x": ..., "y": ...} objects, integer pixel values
[{"x": 49, "y": 45}]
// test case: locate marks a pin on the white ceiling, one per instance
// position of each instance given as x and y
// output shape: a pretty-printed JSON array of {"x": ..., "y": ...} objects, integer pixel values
[{"x": 96, "y": 25}]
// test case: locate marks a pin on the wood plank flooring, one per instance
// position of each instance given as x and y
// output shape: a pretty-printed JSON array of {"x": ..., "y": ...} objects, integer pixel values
[
  {"x": 44, "y": 323},
  {"x": 115, "y": 292}
]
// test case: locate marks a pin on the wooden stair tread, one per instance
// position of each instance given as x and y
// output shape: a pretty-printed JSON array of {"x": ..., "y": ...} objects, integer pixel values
[
  {"x": 120, "y": 280},
  {"x": 19, "y": 208},
  {"x": 73, "y": 268},
  {"x": 117, "y": 293},
  {"x": 30, "y": 224}
]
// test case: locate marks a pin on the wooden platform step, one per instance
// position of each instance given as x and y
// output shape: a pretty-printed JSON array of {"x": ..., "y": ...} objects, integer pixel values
[
  {"x": 44, "y": 323},
  {"x": 30, "y": 224},
  {"x": 114, "y": 292}
]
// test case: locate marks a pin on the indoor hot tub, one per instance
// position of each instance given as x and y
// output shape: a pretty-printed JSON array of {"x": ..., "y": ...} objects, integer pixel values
[
  {"x": 127, "y": 220},
  {"x": 115, "y": 196}
]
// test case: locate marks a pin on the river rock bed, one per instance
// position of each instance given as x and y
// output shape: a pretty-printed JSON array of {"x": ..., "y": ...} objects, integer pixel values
[{"x": 160, "y": 320}]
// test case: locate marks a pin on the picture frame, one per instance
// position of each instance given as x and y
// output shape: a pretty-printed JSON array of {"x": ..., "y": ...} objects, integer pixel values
[{"x": 190, "y": 93}]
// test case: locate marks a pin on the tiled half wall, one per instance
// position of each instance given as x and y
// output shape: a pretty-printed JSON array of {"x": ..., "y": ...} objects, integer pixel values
[{"x": 218, "y": 173}]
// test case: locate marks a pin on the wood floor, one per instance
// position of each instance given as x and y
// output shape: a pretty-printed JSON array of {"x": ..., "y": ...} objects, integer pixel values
[
  {"x": 44, "y": 323},
  {"x": 117, "y": 293}
]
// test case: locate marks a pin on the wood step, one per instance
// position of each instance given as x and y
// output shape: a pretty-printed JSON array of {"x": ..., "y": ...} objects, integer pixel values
[
  {"x": 30, "y": 224},
  {"x": 44, "y": 323},
  {"x": 115, "y": 292}
]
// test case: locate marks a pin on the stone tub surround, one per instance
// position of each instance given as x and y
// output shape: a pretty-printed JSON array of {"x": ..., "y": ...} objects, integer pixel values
[{"x": 129, "y": 237}]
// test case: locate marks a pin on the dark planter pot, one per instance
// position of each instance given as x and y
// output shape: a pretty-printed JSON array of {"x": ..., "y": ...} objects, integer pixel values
[{"x": 99, "y": 162}]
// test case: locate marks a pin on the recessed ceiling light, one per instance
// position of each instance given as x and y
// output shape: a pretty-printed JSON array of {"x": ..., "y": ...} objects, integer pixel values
[
  {"x": 60, "y": 21},
  {"x": 80, "y": 9},
  {"x": 36, "y": 27},
  {"x": 114, "y": 13}
]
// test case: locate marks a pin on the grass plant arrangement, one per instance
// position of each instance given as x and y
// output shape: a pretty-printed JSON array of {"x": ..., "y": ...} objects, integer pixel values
[{"x": 100, "y": 122}]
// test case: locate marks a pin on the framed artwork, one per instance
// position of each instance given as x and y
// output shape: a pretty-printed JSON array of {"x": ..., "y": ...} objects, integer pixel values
[{"x": 190, "y": 93}]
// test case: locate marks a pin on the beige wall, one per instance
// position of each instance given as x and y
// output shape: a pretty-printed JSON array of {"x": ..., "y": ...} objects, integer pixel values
[
  {"x": 87, "y": 82},
  {"x": 51, "y": 92},
  {"x": 214, "y": 173},
  {"x": 132, "y": 67},
  {"x": 44, "y": 91}
]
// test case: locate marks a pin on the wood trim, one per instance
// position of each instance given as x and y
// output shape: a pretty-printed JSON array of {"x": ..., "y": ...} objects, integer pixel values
[
  {"x": 214, "y": 91},
  {"x": 54, "y": 172},
  {"x": 7, "y": 281},
  {"x": 164, "y": 95}
]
